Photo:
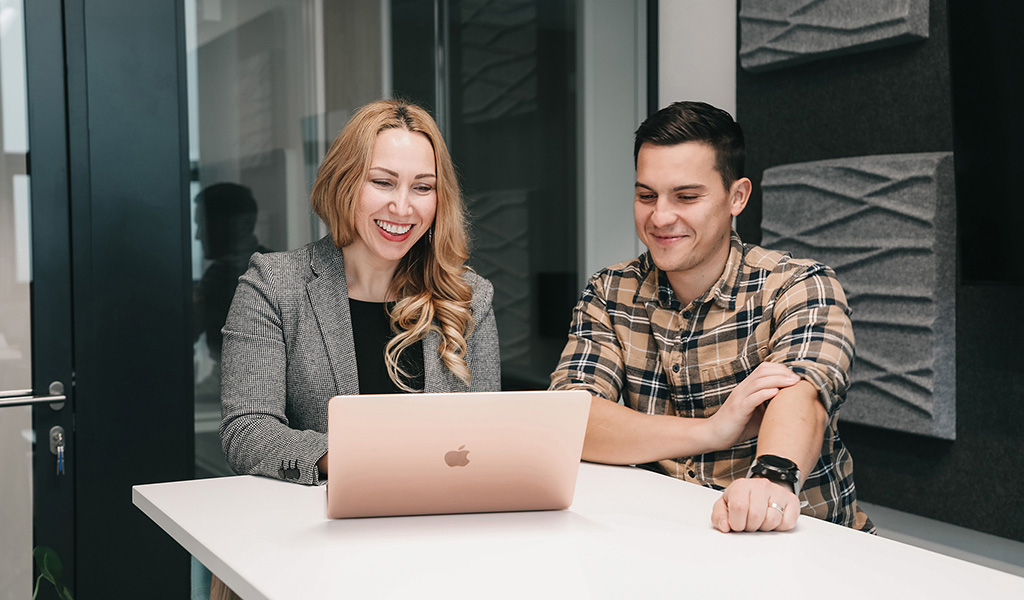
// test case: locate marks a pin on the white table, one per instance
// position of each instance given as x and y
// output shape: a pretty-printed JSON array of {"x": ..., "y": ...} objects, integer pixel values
[{"x": 629, "y": 534}]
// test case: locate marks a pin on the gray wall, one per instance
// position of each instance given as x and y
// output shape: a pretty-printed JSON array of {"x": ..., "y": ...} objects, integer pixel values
[{"x": 899, "y": 100}]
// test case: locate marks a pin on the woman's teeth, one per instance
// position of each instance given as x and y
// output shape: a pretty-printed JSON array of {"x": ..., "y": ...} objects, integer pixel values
[{"x": 392, "y": 228}]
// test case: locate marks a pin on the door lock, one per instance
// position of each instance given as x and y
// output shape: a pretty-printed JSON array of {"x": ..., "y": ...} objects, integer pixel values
[{"x": 57, "y": 446}]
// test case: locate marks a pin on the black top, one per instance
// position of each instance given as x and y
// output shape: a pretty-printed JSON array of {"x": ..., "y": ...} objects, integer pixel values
[{"x": 371, "y": 332}]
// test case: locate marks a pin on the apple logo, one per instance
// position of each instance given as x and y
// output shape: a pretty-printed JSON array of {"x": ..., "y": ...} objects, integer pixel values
[{"x": 457, "y": 458}]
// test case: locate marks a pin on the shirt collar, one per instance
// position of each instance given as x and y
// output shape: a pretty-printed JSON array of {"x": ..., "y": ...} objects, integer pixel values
[{"x": 654, "y": 286}]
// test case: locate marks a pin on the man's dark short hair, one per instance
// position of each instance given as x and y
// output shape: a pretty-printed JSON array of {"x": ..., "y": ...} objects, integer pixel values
[{"x": 697, "y": 122}]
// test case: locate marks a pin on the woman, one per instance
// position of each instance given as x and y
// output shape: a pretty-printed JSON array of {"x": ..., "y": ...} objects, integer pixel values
[{"x": 384, "y": 303}]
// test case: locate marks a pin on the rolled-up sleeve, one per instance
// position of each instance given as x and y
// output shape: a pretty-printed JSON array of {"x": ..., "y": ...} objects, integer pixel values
[
  {"x": 592, "y": 359},
  {"x": 813, "y": 334}
]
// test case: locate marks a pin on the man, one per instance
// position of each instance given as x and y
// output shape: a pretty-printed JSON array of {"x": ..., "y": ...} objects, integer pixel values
[{"x": 732, "y": 360}]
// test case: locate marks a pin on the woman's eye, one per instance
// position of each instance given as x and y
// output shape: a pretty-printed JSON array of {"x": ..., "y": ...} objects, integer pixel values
[
  {"x": 381, "y": 182},
  {"x": 424, "y": 189}
]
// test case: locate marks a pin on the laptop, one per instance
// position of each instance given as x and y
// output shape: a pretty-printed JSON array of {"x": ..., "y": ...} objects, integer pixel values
[{"x": 415, "y": 454}]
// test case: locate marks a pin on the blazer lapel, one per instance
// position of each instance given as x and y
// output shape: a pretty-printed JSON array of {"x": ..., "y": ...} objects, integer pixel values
[
  {"x": 328, "y": 297},
  {"x": 436, "y": 377}
]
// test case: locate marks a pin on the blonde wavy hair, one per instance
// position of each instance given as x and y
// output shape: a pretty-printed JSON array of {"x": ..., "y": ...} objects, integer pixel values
[{"x": 428, "y": 287}]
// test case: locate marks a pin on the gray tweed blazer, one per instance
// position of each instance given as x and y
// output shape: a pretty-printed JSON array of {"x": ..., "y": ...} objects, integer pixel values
[{"x": 288, "y": 349}]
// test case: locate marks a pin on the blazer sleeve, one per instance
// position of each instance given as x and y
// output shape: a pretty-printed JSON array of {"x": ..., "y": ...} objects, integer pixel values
[
  {"x": 482, "y": 350},
  {"x": 255, "y": 432}
]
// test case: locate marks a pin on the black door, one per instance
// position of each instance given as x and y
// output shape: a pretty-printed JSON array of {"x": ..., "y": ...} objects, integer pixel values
[
  {"x": 37, "y": 458},
  {"x": 95, "y": 291}
]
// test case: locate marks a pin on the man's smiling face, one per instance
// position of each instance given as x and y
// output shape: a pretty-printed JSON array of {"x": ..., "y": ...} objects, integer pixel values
[{"x": 683, "y": 211}]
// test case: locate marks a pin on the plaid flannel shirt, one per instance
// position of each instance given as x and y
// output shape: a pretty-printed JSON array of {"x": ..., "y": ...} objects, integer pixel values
[{"x": 630, "y": 336}]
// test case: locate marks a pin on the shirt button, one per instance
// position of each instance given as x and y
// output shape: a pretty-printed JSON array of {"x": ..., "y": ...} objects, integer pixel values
[
  {"x": 675, "y": 368},
  {"x": 687, "y": 314}
]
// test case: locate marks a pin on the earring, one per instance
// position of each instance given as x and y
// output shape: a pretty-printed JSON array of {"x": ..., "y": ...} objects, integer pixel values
[{"x": 430, "y": 235}]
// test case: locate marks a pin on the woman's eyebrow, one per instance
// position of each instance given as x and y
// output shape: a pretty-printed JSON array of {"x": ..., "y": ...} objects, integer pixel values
[{"x": 395, "y": 174}]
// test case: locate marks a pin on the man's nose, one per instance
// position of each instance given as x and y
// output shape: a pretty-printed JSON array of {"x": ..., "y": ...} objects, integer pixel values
[{"x": 663, "y": 214}]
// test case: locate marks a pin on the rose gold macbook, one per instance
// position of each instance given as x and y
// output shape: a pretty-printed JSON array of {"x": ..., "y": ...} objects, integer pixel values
[{"x": 411, "y": 454}]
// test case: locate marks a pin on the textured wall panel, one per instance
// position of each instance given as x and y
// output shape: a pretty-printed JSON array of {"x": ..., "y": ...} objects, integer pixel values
[
  {"x": 780, "y": 33},
  {"x": 499, "y": 58},
  {"x": 501, "y": 254},
  {"x": 887, "y": 225}
]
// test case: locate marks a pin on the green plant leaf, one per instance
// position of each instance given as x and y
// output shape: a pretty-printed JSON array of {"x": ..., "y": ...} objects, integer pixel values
[
  {"x": 44, "y": 556},
  {"x": 50, "y": 569},
  {"x": 51, "y": 563}
]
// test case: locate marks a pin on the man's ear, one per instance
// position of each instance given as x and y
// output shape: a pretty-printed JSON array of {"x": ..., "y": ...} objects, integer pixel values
[{"x": 739, "y": 193}]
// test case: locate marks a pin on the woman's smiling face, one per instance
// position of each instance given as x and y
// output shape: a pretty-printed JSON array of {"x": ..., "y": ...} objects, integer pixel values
[{"x": 397, "y": 201}]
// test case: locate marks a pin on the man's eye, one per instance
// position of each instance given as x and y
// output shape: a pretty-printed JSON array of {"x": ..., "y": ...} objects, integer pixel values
[
  {"x": 646, "y": 197},
  {"x": 687, "y": 198}
]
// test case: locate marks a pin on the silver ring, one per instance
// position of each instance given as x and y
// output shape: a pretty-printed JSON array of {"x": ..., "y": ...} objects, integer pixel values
[{"x": 781, "y": 509}]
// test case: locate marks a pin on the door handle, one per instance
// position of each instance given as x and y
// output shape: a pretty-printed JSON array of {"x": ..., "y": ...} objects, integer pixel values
[{"x": 25, "y": 397}]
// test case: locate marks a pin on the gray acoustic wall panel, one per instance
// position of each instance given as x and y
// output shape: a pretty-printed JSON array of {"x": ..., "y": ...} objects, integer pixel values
[
  {"x": 499, "y": 58},
  {"x": 501, "y": 254},
  {"x": 780, "y": 33},
  {"x": 887, "y": 225}
]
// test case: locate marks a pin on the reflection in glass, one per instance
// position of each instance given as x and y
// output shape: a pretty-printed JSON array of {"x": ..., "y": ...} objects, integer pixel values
[
  {"x": 15, "y": 312},
  {"x": 270, "y": 84},
  {"x": 225, "y": 222}
]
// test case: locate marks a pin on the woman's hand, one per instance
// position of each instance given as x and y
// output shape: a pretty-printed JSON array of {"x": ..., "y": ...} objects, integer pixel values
[{"x": 739, "y": 418}]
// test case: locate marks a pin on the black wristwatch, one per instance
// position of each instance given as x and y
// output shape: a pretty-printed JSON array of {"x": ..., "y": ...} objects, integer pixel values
[{"x": 777, "y": 469}]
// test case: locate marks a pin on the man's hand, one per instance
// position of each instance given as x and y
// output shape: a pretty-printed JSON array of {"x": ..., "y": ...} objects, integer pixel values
[
  {"x": 739, "y": 418},
  {"x": 746, "y": 505}
]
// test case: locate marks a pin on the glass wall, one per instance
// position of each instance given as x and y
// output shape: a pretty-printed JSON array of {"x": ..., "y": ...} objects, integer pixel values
[
  {"x": 16, "y": 435},
  {"x": 502, "y": 84},
  {"x": 271, "y": 82},
  {"x": 512, "y": 102}
]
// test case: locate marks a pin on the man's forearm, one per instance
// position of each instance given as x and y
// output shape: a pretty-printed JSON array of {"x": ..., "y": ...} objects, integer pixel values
[
  {"x": 793, "y": 426},
  {"x": 619, "y": 435}
]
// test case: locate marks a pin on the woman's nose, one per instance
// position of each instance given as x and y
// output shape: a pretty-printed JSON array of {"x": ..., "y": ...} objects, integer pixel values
[{"x": 401, "y": 204}]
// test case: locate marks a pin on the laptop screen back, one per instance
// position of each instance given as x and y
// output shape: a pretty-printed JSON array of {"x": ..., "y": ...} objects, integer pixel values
[{"x": 409, "y": 454}]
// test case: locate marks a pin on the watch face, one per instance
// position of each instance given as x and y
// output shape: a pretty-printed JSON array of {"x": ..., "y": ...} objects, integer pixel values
[
  {"x": 777, "y": 469},
  {"x": 778, "y": 462}
]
